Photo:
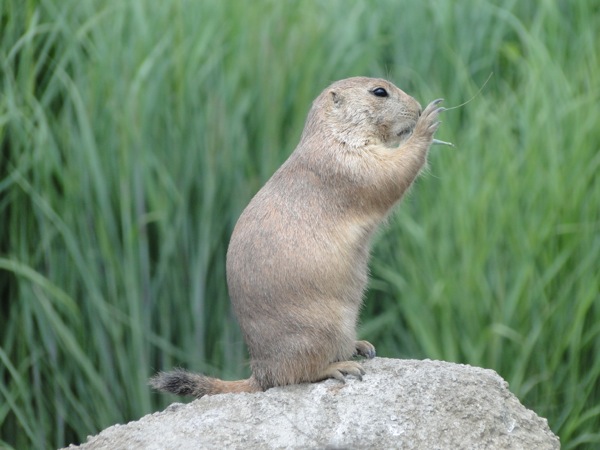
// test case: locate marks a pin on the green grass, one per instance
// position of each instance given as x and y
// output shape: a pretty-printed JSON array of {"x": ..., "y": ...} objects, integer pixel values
[{"x": 133, "y": 133}]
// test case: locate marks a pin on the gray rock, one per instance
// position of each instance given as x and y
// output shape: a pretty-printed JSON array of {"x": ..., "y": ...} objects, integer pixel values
[{"x": 399, "y": 404}]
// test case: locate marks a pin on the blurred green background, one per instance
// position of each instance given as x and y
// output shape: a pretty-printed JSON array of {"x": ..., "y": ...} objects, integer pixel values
[{"x": 133, "y": 133}]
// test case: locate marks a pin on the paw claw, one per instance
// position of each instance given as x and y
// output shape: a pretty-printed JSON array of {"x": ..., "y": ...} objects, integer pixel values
[
  {"x": 365, "y": 348},
  {"x": 338, "y": 376},
  {"x": 337, "y": 370}
]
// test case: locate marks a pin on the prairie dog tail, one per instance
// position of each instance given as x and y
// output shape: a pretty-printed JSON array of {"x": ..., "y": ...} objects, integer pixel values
[{"x": 182, "y": 382}]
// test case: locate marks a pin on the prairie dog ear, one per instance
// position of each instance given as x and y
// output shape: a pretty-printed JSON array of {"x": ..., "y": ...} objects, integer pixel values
[{"x": 336, "y": 98}]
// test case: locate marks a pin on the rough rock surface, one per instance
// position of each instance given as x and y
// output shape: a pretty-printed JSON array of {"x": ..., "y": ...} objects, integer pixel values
[{"x": 399, "y": 404}]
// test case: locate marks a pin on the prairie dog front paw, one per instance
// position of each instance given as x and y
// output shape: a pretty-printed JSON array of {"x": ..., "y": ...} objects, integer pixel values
[{"x": 428, "y": 121}]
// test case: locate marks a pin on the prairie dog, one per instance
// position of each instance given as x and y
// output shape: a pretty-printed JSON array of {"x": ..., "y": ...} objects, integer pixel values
[{"x": 297, "y": 259}]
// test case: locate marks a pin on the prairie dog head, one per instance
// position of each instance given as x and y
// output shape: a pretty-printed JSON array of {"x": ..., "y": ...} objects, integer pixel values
[{"x": 360, "y": 111}]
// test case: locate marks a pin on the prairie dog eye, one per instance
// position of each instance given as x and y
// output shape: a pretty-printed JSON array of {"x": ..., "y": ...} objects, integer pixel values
[{"x": 380, "y": 92}]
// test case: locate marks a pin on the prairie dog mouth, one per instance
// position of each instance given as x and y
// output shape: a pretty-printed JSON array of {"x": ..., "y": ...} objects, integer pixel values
[{"x": 405, "y": 132}]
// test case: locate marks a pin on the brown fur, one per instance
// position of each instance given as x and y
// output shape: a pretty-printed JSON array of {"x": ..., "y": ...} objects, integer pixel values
[{"x": 297, "y": 260}]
